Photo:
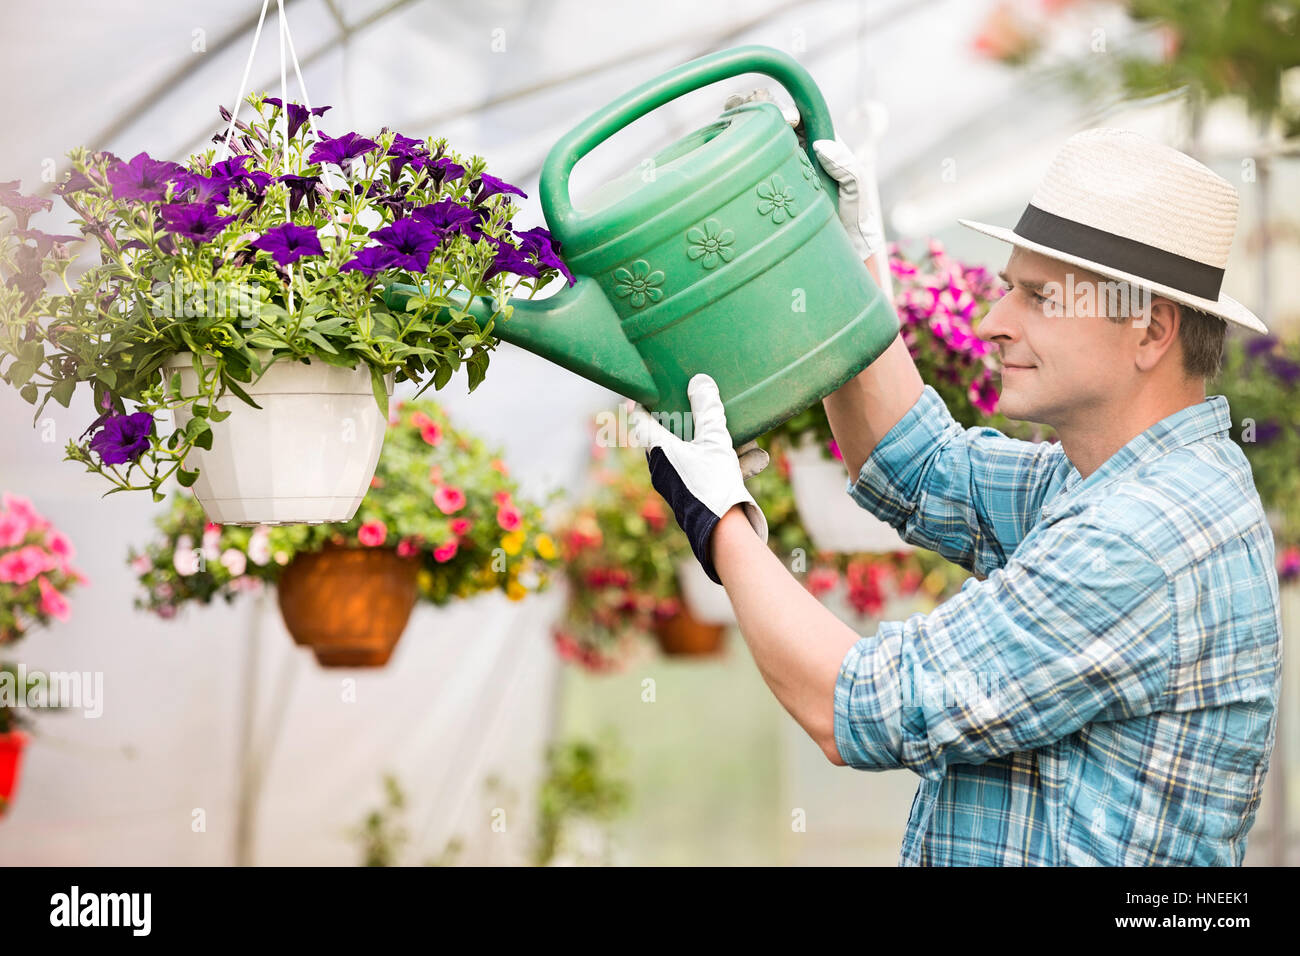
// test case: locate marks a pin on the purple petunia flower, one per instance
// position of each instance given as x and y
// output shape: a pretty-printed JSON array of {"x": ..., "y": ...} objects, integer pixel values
[
  {"x": 490, "y": 186},
  {"x": 447, "y": 215},
  {"x": 23, "y": 207},
  {"x": 44, "y": 241},
  {"x": 75, "y": 183},
  {"x": 300, "y": 188},
  {"x": 143, "y": 179},
  {"x": 404, "y": 150},
  {"x": 341, "y": 150},
  {"x": 371, "y": 260},
  {"x": 539, "y": 241},
  {"x": 288, "y": 243},
  {"x": 123, "y": 438},
  {"x": 297, "y": 113},
  {"x": 1261, "y": 345},
  {"x": 440, "y": 169},
  {"x": 194, "y": 220},
  {"x": 1284, "y": 368},
  {"x": 1268, "y": 431},
  {"x": 412, "y": 240},
  {"x": 510, "y": 259}
]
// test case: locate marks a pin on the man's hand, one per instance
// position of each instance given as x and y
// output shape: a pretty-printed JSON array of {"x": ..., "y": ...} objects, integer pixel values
[{"x": 700, "y": 479}]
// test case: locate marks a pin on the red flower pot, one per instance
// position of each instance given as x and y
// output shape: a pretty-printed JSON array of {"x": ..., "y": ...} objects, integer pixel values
[
  {"x": 349, "y": 605},
  {"x": 12, "y": 745}
]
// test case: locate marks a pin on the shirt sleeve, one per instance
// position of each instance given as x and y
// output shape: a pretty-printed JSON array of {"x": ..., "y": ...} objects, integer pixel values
[
  {"x": 969, "y": 494},
  {"x": 1076, "y": 631}
]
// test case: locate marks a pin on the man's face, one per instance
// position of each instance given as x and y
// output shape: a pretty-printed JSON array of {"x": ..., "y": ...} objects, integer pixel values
[{"x": 1061, "y": 361}]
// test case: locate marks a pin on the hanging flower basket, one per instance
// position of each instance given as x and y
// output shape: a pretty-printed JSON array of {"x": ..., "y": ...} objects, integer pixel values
[
  {"x": 440, "y": 502},
  {"x": 271, "y": 263},
  {"x": 349, "y": 605},
  {"x": 685, "y": 635},
  {"x": 12, "y": 746},
  {"x": 834, "y": 521},
  {"x": 305, "y": 456}
]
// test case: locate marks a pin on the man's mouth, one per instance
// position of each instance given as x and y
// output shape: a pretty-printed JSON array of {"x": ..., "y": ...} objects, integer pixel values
[{"x": 1013, "y": 367}]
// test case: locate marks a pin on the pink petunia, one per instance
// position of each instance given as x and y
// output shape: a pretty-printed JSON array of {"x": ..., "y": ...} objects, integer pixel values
[
  {"x": 983, "y": 394},
  {"x": 508, "y": 517},
  {"x": 52, "y": 602},
  {"x": 406, "y": 548},
  {"x": 59, "y": 546},
  {"x": 499, "y": 465},
  {"x": 449, "y": 499},
  {"x": 460, "y": 526},
  {"x": 421, "y": 420},
  {"x": 234, "y": 561},
  {"x": 372, "y": 534},
  {"x": 22, "y": 507},
  {"x": 13, "y": 528},
  {"x": 822, "y": 580},
  {"x": 21, "y": 566},
  {"x": 834, "y": 449},
  {"x": 501, "y": 497},
  {"x": 446, "y": 551},
  {"x": 431, "y": 433}
]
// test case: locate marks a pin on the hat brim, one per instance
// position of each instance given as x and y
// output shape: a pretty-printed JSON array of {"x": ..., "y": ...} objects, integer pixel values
[{"x": 1225, "y": 307}]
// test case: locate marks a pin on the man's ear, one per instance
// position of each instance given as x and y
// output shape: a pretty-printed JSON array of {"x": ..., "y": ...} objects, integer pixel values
[{"x": 1159, "y": 326}]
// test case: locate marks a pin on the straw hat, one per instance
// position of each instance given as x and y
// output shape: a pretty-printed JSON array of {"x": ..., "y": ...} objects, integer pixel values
[{"x": 1129, "y": 208}]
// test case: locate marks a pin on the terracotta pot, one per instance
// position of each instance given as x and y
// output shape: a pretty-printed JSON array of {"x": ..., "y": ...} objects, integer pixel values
[
  {"x": 349, "y": 605},
  {"x": 685, "y": 635},
  {"x": 12, "y": 745}
]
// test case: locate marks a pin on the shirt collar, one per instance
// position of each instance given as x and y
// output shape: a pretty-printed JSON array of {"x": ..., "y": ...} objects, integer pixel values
[{"x": 1185, "y": 426}]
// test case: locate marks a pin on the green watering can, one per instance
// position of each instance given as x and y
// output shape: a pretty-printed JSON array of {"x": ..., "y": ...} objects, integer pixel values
[{"x": 722, "y": 254}]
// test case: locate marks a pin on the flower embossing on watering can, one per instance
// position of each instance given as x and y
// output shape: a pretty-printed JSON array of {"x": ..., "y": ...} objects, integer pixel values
[{"x": 698, "y": 268}]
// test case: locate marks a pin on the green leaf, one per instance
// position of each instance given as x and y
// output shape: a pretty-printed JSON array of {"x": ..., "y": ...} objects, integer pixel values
[
  {"x": 33, "y": 353},
  {"x": 157, "y": 495},
  {"x": 186, "y": 478},
  {"x": 380, "y": 389},
  {"x": 28, "y": 392},
  {"x": 320, "y": 340},
  {"x": 108, "y": 376},
  {"x": 62, "y": 391},
  {"x": 20, "y": 372},
  {"x": 241, "y": 394},
  {"x": 442, "y": 376}
]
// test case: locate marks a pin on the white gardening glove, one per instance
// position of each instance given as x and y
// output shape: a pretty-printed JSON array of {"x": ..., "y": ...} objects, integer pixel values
[
  {"x": 860, "y": 218},
  {"x": 700, "y": 479}
]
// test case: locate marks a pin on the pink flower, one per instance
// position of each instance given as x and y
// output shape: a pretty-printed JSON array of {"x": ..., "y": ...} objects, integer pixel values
[
  {"x": 52, "y": 602},
  {"x": 446, "y": 551},
  {"x": 834, "y": 449},
  {"x": 372, "y": 534},
  {"x": 212, "y": 541},
  {"x": 142, "y": 565},
  {"x": 234, "y": 561},
  {"x": 508, "y": 517},
  {"x": 166, "y": 611},
  {"x": 501, "y": 497},
  {"x": 449, "y": 499},
  {"x": 822, "y": 580},
  {"x": 983, "y": 395},
  {"x": 1288, "y": 567},
  {"x": 259, "y": 545},
  {"x": 431, "y": 433},
  {"x": 19, "y": 567},
  {"x": 22, "y": 507},
  {"x": 13, "y": 528},
  {"x": 59, "y": 546},
  {"x": 460, "y": 526},
  {"x": 500, "y": 466},
  {"x": 406, "y": 548},
  {"x": 435, "y": 474},
  {"x": 421, "y": 420}
]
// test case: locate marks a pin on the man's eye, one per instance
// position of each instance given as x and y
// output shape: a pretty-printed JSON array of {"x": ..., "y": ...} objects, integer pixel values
[{"x": 1040, "y": 299}]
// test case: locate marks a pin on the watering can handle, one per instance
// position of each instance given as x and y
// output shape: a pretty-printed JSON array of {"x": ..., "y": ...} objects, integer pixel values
[{"x": 604, "y": 123}]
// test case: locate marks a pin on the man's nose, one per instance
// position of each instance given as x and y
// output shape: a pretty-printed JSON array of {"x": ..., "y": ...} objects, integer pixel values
[{"x": 998, "y": 324}]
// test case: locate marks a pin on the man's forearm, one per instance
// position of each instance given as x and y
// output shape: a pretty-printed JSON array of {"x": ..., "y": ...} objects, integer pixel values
[
  {"x": 864, "y": 409},
  {"x": 796, "y": 642}
]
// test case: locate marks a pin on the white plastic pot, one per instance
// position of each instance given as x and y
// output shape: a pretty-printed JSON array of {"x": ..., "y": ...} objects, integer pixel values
[
  {"x": 306, "y": 457},
  {"x": 708, "y": 602},
  {"x": 833, "y": 520}
]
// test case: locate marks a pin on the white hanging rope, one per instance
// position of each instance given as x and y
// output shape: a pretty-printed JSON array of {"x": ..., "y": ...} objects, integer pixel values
[
  {"x": 243, "y": 83},
  {"x": 284, "y": 118}
]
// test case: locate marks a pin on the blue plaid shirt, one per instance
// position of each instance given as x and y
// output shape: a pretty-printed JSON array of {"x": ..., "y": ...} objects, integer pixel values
[{"x": 1108, "y": 694}]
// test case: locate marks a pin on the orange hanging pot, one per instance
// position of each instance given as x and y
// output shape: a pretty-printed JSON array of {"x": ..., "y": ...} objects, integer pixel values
[
  {"x": 349, "y": 605},
  {"x": 685, "y": 635},
  {"x": 12, "y": 745}
]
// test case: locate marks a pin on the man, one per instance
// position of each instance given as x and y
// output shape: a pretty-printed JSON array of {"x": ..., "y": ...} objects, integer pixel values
[{"x": 1104, "y": 691}]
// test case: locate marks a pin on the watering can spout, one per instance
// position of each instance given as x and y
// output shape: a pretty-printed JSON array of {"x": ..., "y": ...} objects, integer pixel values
[{"x": 577, "y": 329}]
